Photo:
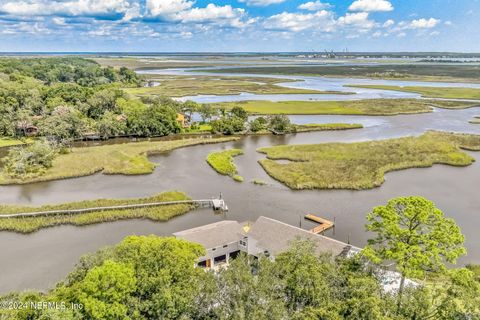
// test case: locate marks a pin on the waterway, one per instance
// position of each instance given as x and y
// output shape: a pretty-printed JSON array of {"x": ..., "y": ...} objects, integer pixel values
[{"x": 40, "y": 259}]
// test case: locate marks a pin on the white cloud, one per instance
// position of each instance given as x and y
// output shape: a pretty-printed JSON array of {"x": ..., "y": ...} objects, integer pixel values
[
  {"x": 423, "y": 23},
  {"x": 223, "y": 15},
  {"x": 183, "y": 11},
  {"x": 59, "y": 21},
  {"x": 448, "y": 23},
  {"x": 371, "y": 5},
  {"x": 67, "y": 8},
  {"x": 314, "y": 6},
  {"x": 167, "y": 7},
  {"x": 261, "y": 3},
  {"x": 359, "y": 20},
  {"x": 388, "y": 23},
  {"x": 321, "y": 20}
]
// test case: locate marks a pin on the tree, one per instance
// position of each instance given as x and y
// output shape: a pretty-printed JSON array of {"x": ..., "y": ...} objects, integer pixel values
[
  {"x": 189, "y": 107},
  {"x": 206, "y": 112},
  {"x": 306, "y": 277},
  {"x": 415, "y": 235},
  {"x": 102, "y": 101},
  {"x": 239, "y": 112},
  {"x": 250, "y": 289},
  {"x": 64, "y": 124},
  {"x": 106, "y": 289},
  {"x": 280, "y": 123},
  {"x": 258, "y": 124},
  {"x": 167, "y": 280},
  {"x": 111, "y": 125},
  {"x": 228, "y": 125}
]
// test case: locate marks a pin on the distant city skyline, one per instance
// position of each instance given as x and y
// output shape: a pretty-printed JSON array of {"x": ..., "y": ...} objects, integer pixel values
[{"x": 239, "y": 25}]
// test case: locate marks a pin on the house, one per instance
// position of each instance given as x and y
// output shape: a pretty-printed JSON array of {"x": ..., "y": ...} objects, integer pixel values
[
  {"x": 26, "y": 129},
  {"x": 226, "y": 239},
  {"x": 183, "y": 119}
]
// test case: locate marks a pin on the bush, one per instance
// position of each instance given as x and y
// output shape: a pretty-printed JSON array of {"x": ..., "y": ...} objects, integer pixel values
[
  {"x": 258, "y": 124},
  {"x": 29, "y": 161},
  {"x": 228, "y": 125},
  {"x": 280, "y": 123}
]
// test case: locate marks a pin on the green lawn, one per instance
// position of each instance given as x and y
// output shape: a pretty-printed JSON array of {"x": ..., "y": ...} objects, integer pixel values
[
  {"x": 31, "y": 224},
  {"x": 357, "y": 107},
  {"x": 431, "y": 92},
  {"x": 127, "y": 159},
  {"x": 363, "y": 165},
  {"x": 222, "y": 162}
]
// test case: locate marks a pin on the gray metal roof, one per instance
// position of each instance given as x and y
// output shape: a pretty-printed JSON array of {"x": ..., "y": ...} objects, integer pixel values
[
  {"x": 269, "y": 234},
  {"x": 276, "y": 236},
  {"x": 213, "y": 235}
]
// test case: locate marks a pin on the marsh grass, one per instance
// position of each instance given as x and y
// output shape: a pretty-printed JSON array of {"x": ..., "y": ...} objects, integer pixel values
[
  {"x": 363, "y": 165},
  {"x": 31, "y": 224},
  {"x": 126, "y": 159},
  {"x": 222, "y": 162},
  {"x": 327, "y": 126},
  {"x": 475, "y": 120},
  {"x": 376, "y": 107},
  {"x": 238, "y": 178},
  {"x": 259, "y": 182},
  {"x": 181, "y": 86},
  {"x": 394, "y": 71},
  {"x": 9, "y": 142},
  {"x": 431, "y": 92}
]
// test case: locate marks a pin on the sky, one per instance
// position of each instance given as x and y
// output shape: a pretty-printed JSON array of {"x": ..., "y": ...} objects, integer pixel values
[{"x": 239, "y": 25}]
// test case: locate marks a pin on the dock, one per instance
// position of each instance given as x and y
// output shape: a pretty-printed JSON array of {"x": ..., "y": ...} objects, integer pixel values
[
  {"x": 216, "y": 204},
  {"x": 323, "y": 224}
]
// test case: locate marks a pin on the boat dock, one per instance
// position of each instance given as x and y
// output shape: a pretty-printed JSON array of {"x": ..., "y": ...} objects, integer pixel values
[
  {"x": 216, "y": 204},
  {"x": 324, "y": 224}
]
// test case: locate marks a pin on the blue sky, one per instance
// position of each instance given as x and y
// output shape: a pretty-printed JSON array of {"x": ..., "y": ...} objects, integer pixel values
[{"x": 239, "y": 25}]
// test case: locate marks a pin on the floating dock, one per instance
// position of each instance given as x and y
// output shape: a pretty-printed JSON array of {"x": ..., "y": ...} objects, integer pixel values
[{"x": 324, "y": 224}]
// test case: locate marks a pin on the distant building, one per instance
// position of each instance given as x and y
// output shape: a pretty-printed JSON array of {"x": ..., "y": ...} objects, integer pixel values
[
  {"x": 26, "y": 129},
  {"x": 183, "y": 119},
  {"x": 225, "y": 240}
]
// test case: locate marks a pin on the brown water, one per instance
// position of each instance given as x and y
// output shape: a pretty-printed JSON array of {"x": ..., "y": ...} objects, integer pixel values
[{"x": 40, "y": 259}]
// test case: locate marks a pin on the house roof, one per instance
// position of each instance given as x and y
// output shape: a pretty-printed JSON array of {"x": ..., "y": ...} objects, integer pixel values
[
  {"x": 213, "y": 235},
  {"x": 269, "y": 234},
  {"x": 276, "y": 236}
]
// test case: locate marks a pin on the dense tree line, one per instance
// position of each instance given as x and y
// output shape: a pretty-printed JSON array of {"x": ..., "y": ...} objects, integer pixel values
[
  {"x": 84, "y": 72},
  {"x": 67, "y": 98},
  {"x": 150, "y": 277}
]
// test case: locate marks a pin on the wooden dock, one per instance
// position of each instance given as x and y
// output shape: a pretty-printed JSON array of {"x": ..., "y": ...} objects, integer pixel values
[
  {"x": 323, "y": 224},
  {"x": 216, "y": 204}
]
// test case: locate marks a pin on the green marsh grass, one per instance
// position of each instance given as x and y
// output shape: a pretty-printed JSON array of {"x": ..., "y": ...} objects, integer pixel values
[
  {"x": 31, "y": 224},
  {"x": 126, "y": 159},
  {"x": 376, "y": 107},
  {"x": 222, "y": 162},
  {"x": 363, "y": 165}
]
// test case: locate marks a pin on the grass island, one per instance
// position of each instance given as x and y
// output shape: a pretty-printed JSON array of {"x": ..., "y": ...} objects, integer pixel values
[
  {"x": 362, "y": 165},
  {"x": 374, "y": 107},
  {"x": 31, "y": 224},
  {"x": 431, "y": 92},
  {"x": 222, "y": 162}
]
